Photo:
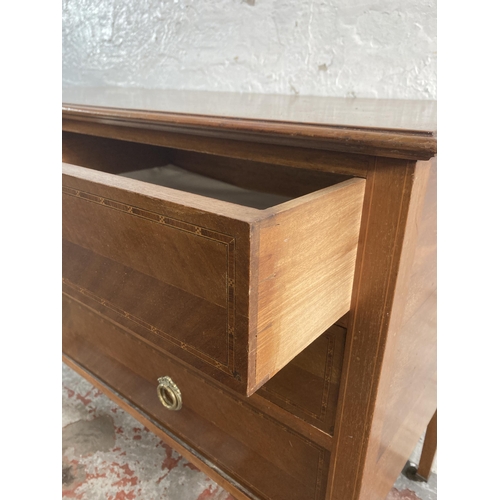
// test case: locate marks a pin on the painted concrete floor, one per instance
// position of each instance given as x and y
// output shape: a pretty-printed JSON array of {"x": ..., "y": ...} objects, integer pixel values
[{"x": 108, "y": 455}]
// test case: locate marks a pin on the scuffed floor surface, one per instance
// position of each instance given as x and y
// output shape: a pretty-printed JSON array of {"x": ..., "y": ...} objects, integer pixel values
[{"x": 108, "y": 455}]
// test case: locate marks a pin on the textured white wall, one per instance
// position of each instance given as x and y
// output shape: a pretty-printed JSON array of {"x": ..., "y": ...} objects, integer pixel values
[{"x": 362, "y": 48}]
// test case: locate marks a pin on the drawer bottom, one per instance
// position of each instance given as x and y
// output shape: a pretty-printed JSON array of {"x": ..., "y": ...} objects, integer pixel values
[{"x": 247, "y": 448}]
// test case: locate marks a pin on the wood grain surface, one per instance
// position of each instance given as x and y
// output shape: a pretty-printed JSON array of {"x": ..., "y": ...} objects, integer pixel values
[
  {"x": 260, "y": 176},
  {"x": 109, "y": 155},
  {"x": 164, "y": 270},
  {"x": 369, "y": 401},
  {"x": 406, "y": 398},
  {"x": 226, "y": 429},
  {"x": 388, "y": 390},
  {"x": 306, "y": 257},
  {"x": 428, "y": 449},
  {"x": 394, "y": 128},
  {"x": 308, "y": 385},
  {"x": 384, "y": 114},
  {"x": 187, "y": 451},
  {"x": 229, "y": 289},
  {"x": 249, "y": 149},
  {"x": 120, "y": 156}
]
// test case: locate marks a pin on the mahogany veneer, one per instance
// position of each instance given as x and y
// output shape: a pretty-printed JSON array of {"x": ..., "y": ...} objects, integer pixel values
[
  {"x": 238, "y": 305},
  {"x": 235, "y": 291}
]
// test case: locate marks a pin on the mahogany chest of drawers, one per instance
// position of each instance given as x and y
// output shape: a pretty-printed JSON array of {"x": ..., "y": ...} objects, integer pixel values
[{"x": 253, "y": 277}]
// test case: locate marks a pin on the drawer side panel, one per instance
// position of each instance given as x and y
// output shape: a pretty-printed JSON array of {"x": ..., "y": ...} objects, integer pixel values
[{"x": 305, "y": 273}]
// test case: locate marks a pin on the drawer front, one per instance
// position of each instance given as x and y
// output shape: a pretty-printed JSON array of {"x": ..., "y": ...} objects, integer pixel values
[
  {"x": 163, "y": 271},
  {"x": 308, "y": 386},
  {"x": 233, "y": 291},
  {"x": 268, "y": 458}
]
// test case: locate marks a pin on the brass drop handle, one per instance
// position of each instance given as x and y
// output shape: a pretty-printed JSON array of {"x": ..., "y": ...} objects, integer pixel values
[{"x": 169, "y": 394}]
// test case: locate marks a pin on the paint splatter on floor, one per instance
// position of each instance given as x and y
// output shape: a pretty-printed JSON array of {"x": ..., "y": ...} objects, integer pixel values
[{"x": 108, "y": 455}]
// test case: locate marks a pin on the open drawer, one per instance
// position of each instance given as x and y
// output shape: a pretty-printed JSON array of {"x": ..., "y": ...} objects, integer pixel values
[{"x": 233, "y": 291}]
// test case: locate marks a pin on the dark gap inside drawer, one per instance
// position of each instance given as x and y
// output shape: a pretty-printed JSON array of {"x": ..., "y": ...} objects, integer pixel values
[
  {"x": 173, "y": 176},
  {"x": 244, "y": 182}
]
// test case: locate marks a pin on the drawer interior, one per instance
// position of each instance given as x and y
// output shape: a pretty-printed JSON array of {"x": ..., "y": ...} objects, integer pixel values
[{"x": 243, "y": 182}]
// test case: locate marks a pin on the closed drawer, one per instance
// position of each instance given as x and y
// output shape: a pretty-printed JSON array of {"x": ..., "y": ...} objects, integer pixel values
[
  {"x": 235, "y": 292},
  {"x": 256, "y": 450},
  {"x": 308, "y": 386}
]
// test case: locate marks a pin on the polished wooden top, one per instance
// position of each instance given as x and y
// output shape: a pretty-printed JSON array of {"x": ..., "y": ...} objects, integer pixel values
[
  {"x": 380, "y": 114},
  {"x": 396, "y": 128}
]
